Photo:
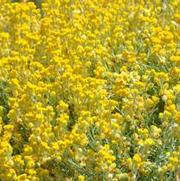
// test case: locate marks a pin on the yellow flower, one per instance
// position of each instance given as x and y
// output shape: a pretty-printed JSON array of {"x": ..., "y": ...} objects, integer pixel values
[
  {"x": 81, "y": 178},
  {"x": 137, "y": 158},
  {"x": 175, "y": 59},
  {"x": 22, "y": 177},
  {"x": 149, "y": 142}
]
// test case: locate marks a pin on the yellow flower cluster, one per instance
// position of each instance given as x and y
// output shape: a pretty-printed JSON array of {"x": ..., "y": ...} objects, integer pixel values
[{"x": 89, "y": 90}]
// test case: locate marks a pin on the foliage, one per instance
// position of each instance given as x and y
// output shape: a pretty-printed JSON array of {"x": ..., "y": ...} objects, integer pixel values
[{"x": 89, "y": 90}]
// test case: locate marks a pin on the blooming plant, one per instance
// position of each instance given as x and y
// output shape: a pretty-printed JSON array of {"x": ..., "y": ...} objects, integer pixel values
[{"x": 89, "y": 90}]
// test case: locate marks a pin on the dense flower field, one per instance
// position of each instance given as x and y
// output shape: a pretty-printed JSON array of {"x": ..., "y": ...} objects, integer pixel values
[{"x": 89, "y": 90}]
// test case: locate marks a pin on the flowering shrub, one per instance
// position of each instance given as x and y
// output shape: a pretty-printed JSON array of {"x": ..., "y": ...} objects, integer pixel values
[{"x": 89, "y": 90}]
